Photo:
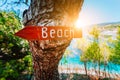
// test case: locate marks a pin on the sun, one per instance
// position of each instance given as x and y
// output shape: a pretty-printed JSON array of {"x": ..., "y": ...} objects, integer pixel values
[
  {"x": 84, "y": 20},
  {"x": 80, "y": 23}
]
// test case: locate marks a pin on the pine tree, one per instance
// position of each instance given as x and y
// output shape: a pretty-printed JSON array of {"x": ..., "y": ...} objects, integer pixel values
[
  {"x": 115, "y": 56},
  {"x": 94, "y": 48},
  {"x": 47, "y": 54}
]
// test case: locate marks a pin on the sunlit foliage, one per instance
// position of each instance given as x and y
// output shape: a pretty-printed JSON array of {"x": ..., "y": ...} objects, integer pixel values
[
  {"x": 15, "y": 61},
  {"x": 115, "y": 56}
]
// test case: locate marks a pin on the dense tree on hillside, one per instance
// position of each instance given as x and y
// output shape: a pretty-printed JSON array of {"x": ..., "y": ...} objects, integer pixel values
[
  {"x": 94, "y": 48},
  {"x": 7, "y": 29},
  {"x": 84, "y": 57},
  {"x": 106, "y": 52},
  {"x": 47, "y": 54},
  {"x": 90, "y": 50},
  {"x": 14, "y": 58},
  {"x": 115, "y": 56}
]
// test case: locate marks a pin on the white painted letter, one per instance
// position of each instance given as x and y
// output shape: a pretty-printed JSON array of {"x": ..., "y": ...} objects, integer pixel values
[
  {"x": 59, "y": 33},
  {"x": 71, "y": 33},
  {"x": 65, "y": 33},
  {"x": 44, "y": 32},
  {"x": 51, "y": 33}
]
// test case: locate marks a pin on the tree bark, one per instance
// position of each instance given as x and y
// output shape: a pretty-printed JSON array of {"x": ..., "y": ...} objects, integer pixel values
[
  {"x": 99, "y": 68},
  {"x": 85, "y": 66},
  {"x": 105, "y": 64},
  {"x": 47, "y": 54}
]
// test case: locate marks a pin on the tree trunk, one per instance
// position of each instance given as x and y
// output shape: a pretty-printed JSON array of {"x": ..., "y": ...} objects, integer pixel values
[
  {"x": 105, "y": 64},
  {"x": 47, "y": 53},
  {"x": 99, "y": 68},
  {"x": 85, "y": 66}
]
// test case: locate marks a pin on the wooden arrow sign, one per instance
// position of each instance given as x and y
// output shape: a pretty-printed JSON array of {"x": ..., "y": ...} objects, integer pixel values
[{"x": 48, "y": 32}]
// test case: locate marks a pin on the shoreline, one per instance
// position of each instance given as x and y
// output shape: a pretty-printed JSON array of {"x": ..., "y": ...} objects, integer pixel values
[{"x": 91, "y": 72}]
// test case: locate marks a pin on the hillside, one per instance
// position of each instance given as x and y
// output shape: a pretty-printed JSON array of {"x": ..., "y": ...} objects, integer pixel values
[{"x": 107, "y": 30}]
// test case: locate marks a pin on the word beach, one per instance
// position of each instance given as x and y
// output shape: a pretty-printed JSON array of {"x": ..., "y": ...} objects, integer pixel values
[{"x": 48, "y": 32}]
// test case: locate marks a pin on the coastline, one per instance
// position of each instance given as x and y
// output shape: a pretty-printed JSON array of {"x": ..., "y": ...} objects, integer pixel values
[{"x": 79, "y": 72}]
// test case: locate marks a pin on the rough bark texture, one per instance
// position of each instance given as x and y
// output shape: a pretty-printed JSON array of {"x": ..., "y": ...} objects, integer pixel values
[{"x": 47, "y": 54}]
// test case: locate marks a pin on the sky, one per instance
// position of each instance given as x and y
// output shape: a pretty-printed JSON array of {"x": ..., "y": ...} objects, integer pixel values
[
  {"x": 99, "y": 11},
  {"x": 10, "y": 6}
]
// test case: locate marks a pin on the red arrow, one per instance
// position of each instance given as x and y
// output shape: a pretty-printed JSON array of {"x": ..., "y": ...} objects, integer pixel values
[
  {"x": 36, "y": 32},
  {"x": 29, "y": 33}
]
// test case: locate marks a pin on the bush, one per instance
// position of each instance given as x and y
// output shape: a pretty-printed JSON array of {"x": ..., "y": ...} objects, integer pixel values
[{"x": 15, "y": 58}]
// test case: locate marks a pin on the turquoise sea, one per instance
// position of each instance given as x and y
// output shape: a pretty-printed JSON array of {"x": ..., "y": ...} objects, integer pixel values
[{"x": 74, "y": 59}]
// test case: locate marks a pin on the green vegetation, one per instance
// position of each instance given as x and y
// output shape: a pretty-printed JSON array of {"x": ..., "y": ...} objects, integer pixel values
[
  {"x": 84, "y": 57},
  {"x": 91, "y": 51},
  {"x": 99, "y": 52},
  {"x": 115, "y": 56},
  {"x": 15, "y": 58},
  {"x": 94, "y": 48}
]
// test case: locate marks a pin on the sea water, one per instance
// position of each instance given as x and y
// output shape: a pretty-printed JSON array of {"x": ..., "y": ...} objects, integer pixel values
[{"x": 72, "y": 60}]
